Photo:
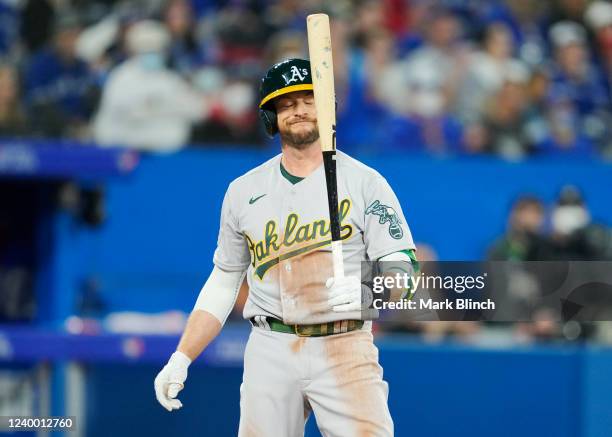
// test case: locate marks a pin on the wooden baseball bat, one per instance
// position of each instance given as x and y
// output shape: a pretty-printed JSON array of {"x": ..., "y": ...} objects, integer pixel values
[{"x": 322, "y": 68}]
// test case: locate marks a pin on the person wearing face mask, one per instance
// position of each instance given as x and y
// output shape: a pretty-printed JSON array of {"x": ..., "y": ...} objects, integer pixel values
[
  {"x": 145, "y": 105},
  {"x": 574, "y": 235},
  {"x": 59, "y": 89}
]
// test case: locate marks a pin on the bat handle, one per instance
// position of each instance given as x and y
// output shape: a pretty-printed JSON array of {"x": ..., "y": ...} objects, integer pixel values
[{"x": 338, "y": 260}]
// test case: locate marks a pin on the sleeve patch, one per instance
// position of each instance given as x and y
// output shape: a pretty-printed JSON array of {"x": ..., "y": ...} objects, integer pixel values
[{"x": 386, "y": 214}]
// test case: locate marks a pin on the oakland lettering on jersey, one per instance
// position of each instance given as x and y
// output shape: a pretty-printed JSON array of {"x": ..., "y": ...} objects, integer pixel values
[{"x": 265, "y": 253}]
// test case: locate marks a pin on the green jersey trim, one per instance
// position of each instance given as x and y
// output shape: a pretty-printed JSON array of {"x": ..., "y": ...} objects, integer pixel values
[{"x": 293, "y": 179}]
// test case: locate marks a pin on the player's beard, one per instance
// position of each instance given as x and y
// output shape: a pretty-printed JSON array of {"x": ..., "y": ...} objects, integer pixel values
[{"x": 299, "y": 140}]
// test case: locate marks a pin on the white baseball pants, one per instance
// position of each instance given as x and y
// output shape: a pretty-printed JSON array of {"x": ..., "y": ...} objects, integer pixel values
[{"x": 337, "y": 377}]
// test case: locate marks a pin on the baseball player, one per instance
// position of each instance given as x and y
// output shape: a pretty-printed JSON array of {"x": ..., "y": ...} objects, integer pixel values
[{"x": 309, "y": 350}]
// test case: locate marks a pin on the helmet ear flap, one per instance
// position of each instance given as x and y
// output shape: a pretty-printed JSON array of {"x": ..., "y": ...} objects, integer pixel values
[{"x": 268, "y": 117}]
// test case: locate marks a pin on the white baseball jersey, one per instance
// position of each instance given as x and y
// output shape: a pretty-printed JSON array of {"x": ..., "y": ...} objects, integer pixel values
[{"x": 279, "y": 232}]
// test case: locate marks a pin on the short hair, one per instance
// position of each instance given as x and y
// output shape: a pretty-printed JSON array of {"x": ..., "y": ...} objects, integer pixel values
[{"x": 527, "y": 201}]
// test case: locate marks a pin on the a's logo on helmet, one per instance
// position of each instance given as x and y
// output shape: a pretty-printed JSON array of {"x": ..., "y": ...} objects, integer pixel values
[{"x": 295, "y": 75}]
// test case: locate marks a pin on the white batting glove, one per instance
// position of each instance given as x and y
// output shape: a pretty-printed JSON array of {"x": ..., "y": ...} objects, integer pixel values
[
  {"x": 347, "y": 294},
  {"x": 170, "y": 381}
]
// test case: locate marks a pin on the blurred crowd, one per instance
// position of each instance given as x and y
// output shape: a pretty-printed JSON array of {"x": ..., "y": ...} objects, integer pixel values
[
  {"x": 563, "y": 231},
  {"x": 503, "y": 77}
]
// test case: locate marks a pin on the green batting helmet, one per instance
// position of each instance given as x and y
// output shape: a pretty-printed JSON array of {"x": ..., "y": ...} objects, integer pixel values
[{"x": 285, "y": 77}]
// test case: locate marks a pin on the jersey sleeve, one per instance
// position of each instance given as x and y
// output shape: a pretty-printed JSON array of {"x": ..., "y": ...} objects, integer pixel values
[
  {"x": 386, "y": 228},
  {"x": 232, "y": 253}
]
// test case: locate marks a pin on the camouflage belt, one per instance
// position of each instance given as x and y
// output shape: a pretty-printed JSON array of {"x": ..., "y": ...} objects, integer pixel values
[{"x": 316, "y": 330}]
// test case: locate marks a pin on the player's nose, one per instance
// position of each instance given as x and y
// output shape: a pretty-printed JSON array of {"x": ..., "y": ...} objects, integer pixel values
[{"x": 302, "y": 109}]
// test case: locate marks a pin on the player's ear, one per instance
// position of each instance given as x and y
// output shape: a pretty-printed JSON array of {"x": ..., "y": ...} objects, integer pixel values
[{"x": 269, "y": 119}]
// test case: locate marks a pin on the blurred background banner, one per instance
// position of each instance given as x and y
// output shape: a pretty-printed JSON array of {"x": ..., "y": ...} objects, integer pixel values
[{"x": 122, "y": 122}]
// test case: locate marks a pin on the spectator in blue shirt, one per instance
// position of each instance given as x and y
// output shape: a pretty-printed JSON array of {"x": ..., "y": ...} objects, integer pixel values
[
  {"x": 185, "y": 53},
  {"x": 362, "y": 113},
  {"x": 527, "y": 22},
  {"x": 58, "y": 85},
  {"x": 578, "y": 81},
  {"x": 564, "y": 133},
  {"x": 573, "y": 74},
  {"x": 9, "y": 26}
]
